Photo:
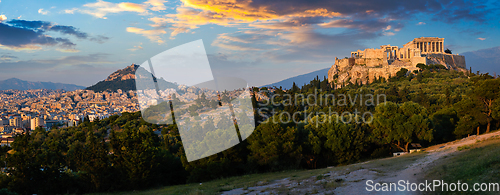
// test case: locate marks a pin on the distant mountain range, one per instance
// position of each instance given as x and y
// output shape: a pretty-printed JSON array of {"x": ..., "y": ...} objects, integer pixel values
[
  {"x": 301, "y": 79},
  {"x": 484, "y": 60},
  {"x": 123, "y": 79},
  {"x": 19, "y": 84}
]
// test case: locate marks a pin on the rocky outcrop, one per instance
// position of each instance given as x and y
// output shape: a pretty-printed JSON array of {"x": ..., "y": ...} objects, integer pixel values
[
  {"x": 366, "y": 70},
  {"x": 455, "y": 62},
  {"x": 123, "y": 79},
  {"x": 123, "y": 74}
]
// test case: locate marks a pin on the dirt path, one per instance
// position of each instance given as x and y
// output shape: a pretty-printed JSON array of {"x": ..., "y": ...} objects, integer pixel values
[
  {"x": 354, "y": 181},
  {"x": 414, "y": 172}
]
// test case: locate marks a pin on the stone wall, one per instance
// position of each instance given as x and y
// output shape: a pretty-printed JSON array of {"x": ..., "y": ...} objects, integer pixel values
[
  {"x": 370, "y": 62},
  {"x": 374, "y": 53},
  {"x": 417, "y": 60}
]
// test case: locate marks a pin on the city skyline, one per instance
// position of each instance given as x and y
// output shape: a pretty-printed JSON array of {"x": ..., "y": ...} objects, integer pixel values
[{"x": 260, "y": 41}]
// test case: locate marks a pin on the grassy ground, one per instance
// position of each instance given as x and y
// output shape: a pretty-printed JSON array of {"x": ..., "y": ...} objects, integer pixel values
[
  {"x": 476, "y": 163},
  {"x": 381, "y": 166}
]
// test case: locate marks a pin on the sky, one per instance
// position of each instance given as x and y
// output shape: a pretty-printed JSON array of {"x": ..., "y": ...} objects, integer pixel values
[{"x": 261, "y": 41}]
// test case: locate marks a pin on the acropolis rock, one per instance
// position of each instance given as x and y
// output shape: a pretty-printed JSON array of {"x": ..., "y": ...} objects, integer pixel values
[{"x": 364, "y": 66}]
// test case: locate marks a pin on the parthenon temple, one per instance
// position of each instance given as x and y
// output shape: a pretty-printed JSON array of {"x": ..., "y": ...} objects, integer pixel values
[{"x": 419, "y": 47}]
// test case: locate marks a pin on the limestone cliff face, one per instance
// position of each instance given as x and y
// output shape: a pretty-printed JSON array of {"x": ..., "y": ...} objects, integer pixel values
[
  {"x": 365, "y": 70},
  {"x": 455, "y": 62}
]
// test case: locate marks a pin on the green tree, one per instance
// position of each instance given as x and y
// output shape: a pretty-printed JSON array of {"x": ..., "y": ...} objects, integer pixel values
[
  {"x": 470, "y": 117},
  {"x": 445, "y": 122},
  {"x": 422, "y": 66},
  {"x": 401, "y": 73},
  {"x": 91, "y": 158},
  {"x": 141, "y": 162},
  {"x": 343, "y": 141},
  {"x": 275, "y": 145},
  {"x": 487, "y": 91},
  {"x": 401, "y": 124}
]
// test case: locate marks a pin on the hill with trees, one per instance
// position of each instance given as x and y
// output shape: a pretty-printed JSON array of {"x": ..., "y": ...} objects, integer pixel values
[{"x": 123, "y": 79}]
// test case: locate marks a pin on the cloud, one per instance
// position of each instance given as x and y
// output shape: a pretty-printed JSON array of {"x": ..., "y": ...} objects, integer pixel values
[
  {"x": 15, "y": 38},
  {"x": 96, "y": 58},
  {"x": 371, "y": 25},
  {"x": 456, "y": 11},
  {"x": 51, "y": 64},
  {"x": 68, "y": 50},
  {"x": 30, "y": 35},
  {"x": 421, "y": 23},
  {"x": 99, "y": 38},
  {"x": 7, "y": 57},
  {"x": 3, "y": 18},
  {"x": 153, "y": 35},
  {"x": 43, "y": 12},
  {"x": 482, "y": 39},
  {"x": 102, "y": 8},
  {"x": 32, "y": 25},
  {"x": 287, "y": 14},
  {"x": 69, "y": 30},
  {"x": 188, "y": 19},
  {"x": 41, "y": 26},
  {"x": 70, "y": 11},
  {"x": 156, "y": 5},
  {"x": 137, "y": 47},
  {"x": 389, "y": 33},
  {"x": 278, "y": 46}
]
